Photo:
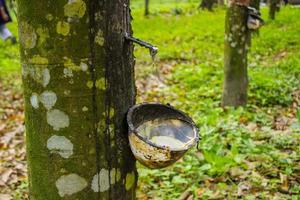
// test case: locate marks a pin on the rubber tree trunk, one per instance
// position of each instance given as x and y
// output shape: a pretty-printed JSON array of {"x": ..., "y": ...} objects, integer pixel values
[
  {"x": 207, "y": 4},
  {"x": 78, "y": 78},
  {"x": 147, "y": 7},
  {"x": 273, "y": 8},
  {"x": 237, "y": 38},
  {"x": 255, "y": 4}
]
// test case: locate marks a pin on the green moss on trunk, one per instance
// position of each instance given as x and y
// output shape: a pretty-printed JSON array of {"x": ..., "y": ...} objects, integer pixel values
[
  {"x": 237, "y": 39},
  {"x": 78, "y": 83}
]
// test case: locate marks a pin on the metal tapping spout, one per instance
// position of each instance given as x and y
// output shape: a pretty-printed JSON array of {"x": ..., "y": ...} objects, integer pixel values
[{"x": 152, "y": 49}]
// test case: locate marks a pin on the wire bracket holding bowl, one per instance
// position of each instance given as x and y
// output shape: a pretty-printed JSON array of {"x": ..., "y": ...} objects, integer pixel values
[{"x": 254, "y": 20}]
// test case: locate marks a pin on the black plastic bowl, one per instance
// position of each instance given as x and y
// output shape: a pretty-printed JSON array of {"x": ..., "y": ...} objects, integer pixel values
[{"x": 148, "y": 153}]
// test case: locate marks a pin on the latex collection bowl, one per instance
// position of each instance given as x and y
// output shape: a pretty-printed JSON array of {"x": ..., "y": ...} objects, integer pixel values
[{"x": 152, "y": 154}]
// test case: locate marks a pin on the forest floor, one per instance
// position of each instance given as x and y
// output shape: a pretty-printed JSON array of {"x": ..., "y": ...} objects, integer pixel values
[{"x": 249, "y": 153}]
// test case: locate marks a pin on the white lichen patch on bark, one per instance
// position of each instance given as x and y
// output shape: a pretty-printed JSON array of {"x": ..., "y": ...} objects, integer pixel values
[
  {"x": 233, "y": 44},
  {"x": 84, "y": 109},
  {"x": 28, "y": 36},
  {"x": 63, "y": 28},
  {"x": 57, "y": 119},
  {"x": 48, "y": 99},
  {"x": 115, "y": 175},
  {"x": 34, "y": 100},
  {"x": 83, "y": 66},
  {"x": 75, "y": 8},
  {"x": 99, "y": 39},
  {"x": 130, "y": 180},
  {"x": 24, "y": 70},
  {"x": 68, "y": 72},
  {"x": 67, "y": 92},
  {"x": 46, "y": 77},
  {"x": 38, "y": 74},
  {"x": 112, "y": 131},
  {"x": 243, "y": 39},
  {"x": 70, "y": 184},
  {"x": 100, "y": 182},
  {"x": 235, "y": 28},
  {"x": 240, "y": 51},
  {"x": 49, "y": 17},
  {"x": 60, "y": 145}
]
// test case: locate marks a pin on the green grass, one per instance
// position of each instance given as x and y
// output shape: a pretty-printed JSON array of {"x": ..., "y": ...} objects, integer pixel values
[
  {"x": 240, "y": 148},
  {"x": 194, "y": 41},
  {"x": 9, "y": 54}
]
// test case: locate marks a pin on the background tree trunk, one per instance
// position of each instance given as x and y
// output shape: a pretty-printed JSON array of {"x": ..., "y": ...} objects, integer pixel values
[
  {"x": 207, "y": 4},
  {"x": 147, "y": 7},
  {"x": 78, "y": 78},
  {"x": 237, "y": 39},
  {"x": 255, "y": 4},
  {"x": 273, "y": 8}
]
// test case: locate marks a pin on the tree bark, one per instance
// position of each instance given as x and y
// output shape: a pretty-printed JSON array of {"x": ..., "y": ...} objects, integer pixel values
[
  {"x": 255, "y": 4},
  {"x": 273, "y": 8},
  {"x": 207, "y": 4},
  {"x": 147, "y": 7},
  {"x": 237, "y": 38},
  {"x": 78, "y": 76}
]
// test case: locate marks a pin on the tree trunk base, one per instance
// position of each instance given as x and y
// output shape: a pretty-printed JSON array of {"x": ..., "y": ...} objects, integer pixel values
[{"x": 237, "y": 40}]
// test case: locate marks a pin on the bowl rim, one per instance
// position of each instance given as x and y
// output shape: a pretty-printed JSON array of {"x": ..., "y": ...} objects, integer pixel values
[{"x": 193, "y": 141}]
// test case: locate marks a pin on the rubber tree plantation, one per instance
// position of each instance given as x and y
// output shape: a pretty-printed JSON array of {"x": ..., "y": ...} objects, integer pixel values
[
  {"x": 237, "y": 41},
  {"x": 79, "y": 83}
]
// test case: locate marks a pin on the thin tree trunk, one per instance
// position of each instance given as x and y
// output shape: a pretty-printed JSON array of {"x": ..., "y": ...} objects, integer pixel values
[
  {"x": 273, "y": 8},
  {"x": 78, "y": 84},
  {"x": 207, "y": 4},
  {"x": 255, "y": 4},
  {"x": 147, "y": 7},
  {"x": 237, "y": 39}
]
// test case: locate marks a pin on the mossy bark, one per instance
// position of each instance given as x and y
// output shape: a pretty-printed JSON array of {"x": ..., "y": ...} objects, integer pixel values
[
  {"x": 78, "y": 76},
  {"x": 237, "y": 38}
]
